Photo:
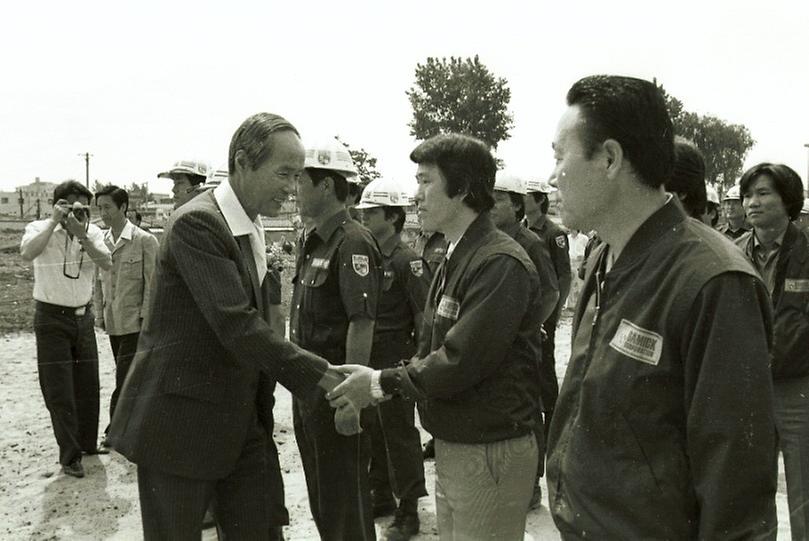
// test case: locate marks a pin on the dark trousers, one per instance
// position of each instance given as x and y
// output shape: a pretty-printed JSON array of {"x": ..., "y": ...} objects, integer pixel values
[
  {"x": 172, "y": 507},
  {"x": 396, "y": 459},
  {"x": 336, "y": 469},
  {"x": 67, "y": 362},
  {"x": 548, "y": 388},
  {"x": 123, "y": 347}
]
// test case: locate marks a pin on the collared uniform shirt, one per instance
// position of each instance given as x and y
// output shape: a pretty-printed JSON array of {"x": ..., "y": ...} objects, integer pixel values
[
  {"x": 406, "y": 279},
  {"x": 765, "y": 259},
  {"x": 64, "y": 255},
  {"x": 432, "y": 247},
  {"x": 555, "y": 240},
  {"x": 338, "y": 276},
  {"x": 123, "y": 292}
]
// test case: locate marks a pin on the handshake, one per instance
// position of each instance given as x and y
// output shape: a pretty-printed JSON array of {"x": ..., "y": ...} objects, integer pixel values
[{"x": 349, "y": 392}]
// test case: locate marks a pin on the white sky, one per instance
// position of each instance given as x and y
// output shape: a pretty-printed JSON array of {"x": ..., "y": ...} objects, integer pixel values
[{"x": 142, "y": 86}]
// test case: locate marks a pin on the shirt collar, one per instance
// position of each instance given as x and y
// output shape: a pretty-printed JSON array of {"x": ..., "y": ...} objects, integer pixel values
[
  {"x": 237, "y": 219},
  {"x": 474, "y": 231},
  {"x": 777, "y": 243},
  {"x": 328, "y": 227},
  {"x": 389, "y": 246}
]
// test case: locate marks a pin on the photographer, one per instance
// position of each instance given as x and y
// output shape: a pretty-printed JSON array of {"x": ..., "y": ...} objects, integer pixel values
[{"x": 65, "y": 249}]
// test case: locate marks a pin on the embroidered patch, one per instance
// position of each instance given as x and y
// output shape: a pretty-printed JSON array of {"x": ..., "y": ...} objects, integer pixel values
[
  {"x": 416, "y": 268},
  {"x": 561, "y": 241},
  {"x": 637, "y": 343},
  {"x": 320, "y": 263},
  {"x": 360, "y": 264},
  {"x": 795, "y": 285},
  {"x": 448, "y": 308}
]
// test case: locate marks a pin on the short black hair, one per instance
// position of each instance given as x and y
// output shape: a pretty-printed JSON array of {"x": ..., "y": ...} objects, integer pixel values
[
  {"x": 688, "y": 177},
  {"x": 354, "y": 191},
  {"x": 632, "y": 112},
  {"x": 467, "y": 165},
  {"x": 253, "y": 137},
  {"x": 118, "y": 195},
  {"x": 339, "y": 181},
  {"x": 399, "y": 213},
  {"x": 71, "y": 187},
  {"x": 785, "y": 181},
  {"x": 519, "y": 201},
  {"x": 543, "y": 200}
]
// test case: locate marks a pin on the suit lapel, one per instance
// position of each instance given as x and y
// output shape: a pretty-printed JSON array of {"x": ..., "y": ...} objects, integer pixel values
[{"x": 250, "y": 263}]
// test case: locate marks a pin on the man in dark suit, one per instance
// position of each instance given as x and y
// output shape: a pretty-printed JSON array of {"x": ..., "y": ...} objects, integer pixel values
[{"x": 192, "y": 413}]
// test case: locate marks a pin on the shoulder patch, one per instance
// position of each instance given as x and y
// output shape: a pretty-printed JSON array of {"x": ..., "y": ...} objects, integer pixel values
[
  {"x": 795, "y": 285},
  {"x": 637, "y": 343},
  {"x": 360, "y": 264},
  {"x": 416, "y": 268},
  {"x": 561, "y": 241}
]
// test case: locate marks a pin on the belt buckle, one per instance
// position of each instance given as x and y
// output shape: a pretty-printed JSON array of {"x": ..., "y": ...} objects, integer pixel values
[{"x": 80, "y": 311}]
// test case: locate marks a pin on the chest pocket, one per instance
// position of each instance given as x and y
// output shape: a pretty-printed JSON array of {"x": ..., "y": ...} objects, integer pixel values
[
  {"x": 132, "y": 265},
  {"x": 316, "y": 273}
]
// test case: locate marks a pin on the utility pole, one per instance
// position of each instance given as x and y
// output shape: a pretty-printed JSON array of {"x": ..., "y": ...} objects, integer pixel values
[
  {"x": 86, "y": 157},
  {"x": 22, "y": 208},
  {"x": 807, "y": 166}
]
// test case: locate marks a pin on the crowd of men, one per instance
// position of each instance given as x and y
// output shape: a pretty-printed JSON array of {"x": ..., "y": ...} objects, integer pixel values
[{"x": 688, "y": 370}]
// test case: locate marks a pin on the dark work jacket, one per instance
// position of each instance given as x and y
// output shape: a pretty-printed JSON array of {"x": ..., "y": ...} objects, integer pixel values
[
  {"x": 475, "y": 374},
  {"x": 555, "y": 240},
  {"x": 664, "y": 424},
  {"x": 790, "y": 300}
]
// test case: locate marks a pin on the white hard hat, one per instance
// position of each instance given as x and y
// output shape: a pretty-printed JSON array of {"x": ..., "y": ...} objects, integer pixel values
[
  {"x": 186, "y": 167},
  {"x": 217, "y": 176},
  {"x": 509, "y": 182},
  {"x": 541, "y": 186},
  {"x": 384, "y": 193},
  {"x": 331, "y": 155},
  {"x": 733, "y": 194},
  {"x": 713, "y": 197}
]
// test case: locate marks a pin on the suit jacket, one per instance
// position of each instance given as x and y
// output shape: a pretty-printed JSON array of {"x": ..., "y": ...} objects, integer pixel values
[
  {"x": 121, "y": 298},
  {"x": 193, "y": 389}
]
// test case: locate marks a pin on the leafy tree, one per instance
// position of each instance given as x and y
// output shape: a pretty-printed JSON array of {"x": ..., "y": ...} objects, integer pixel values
[
  {"x": 365, "y": 163},
  {"x": 724, "y": 145},
  {"x": 138, "y": 194},
  {"x": 461, "y": 96}
]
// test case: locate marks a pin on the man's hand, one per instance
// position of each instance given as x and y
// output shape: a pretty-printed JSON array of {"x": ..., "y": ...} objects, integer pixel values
[
  {"x": 347, "y": 420},
  {"x": 355, "y": 390},
  {"x": 60, "y": 210},
  {"x": 77, "y": 228}
]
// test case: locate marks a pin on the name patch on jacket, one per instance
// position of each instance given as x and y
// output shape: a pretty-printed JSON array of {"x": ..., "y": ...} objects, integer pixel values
[
  {"x": 320, "y": 263},
  {"x": 448, "y": 308},
  {"x": 795, "y": 285},
  {"x": 637, "y": 343}
]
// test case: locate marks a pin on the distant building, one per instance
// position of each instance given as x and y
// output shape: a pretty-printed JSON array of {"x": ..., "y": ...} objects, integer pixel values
[{"x": 37, "y": 200}]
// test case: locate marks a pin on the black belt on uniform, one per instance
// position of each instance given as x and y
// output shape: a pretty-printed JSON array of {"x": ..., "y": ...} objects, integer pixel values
[{"x": 76, "y": 311}]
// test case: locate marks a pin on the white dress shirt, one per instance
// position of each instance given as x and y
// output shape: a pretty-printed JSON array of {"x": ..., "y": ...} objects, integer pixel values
[
  {"x": 64, "y": 255},
  {"x": 240, "y": 224}
]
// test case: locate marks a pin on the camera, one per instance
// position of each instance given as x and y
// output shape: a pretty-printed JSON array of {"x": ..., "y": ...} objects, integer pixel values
[{"x": 80, "y": 212}]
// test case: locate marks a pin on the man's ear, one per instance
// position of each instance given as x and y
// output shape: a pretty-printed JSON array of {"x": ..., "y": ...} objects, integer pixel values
[{"x": 614, "y": 156}]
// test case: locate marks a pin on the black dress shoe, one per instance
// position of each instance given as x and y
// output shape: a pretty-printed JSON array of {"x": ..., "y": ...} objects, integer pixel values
[
  {"x": 100, "y": 450},
  {"x": 74, "y": 469},
  {"x": 404, "y": 526},
  {"x": 382, "y": 504}
]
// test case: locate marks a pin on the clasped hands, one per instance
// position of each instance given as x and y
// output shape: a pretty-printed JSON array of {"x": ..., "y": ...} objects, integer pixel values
[{"x": 350, "y": 397}]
